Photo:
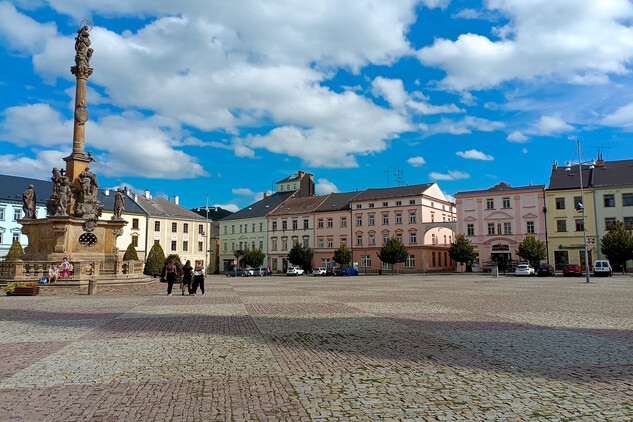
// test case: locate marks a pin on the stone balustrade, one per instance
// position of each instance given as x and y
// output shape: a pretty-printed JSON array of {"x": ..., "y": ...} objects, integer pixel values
[{"x": 81, "y": 271}]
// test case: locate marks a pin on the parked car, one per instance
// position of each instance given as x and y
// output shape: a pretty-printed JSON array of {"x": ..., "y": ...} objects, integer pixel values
[
  {"x": 348, "y": 271},
  {"x": 545, "y": 270},
  {"x": 258, "y": 271},
  {"x": 602, "y": 267},
  {"x": 331, "y": 271},
  {"x": 319, "y": 271},
  {"x": 524, "y": 269},
  {"x": 294, "y": 271},
  {"x": 238, "y": 272},
  {"x": 570, "y": 270}
]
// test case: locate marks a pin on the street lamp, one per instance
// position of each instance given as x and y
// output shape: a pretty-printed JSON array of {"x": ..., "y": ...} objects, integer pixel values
[
  {"x": 206, "y": 233},
  {"x": 580, "y": 207}
]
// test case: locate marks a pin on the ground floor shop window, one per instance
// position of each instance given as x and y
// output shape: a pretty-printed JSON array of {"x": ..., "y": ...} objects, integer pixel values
[
  {"x": 561, "y": 258},
  {"x": 410, "y": 262},
  {"x": 365, "y": 261}
]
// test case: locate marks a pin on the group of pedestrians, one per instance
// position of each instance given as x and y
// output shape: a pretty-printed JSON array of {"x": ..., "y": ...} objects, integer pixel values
[
  {"x": 53, "y": 271},
  {"x": 192, "y": 277}
]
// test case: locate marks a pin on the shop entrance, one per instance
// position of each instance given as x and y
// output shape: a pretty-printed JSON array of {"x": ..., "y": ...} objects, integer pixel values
[{"x": 502, "y": 259}]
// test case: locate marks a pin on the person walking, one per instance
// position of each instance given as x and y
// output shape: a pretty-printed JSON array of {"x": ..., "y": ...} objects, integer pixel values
[
  {"x": 53, "y": 273},
  {"x": 187, "y": 272},
  {"x": 170, "y": 275},
  {"x": 65, "y": 268},
  {"x": 198, "y": 279}
]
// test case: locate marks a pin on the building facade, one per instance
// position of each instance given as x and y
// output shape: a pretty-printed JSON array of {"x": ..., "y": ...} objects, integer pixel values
[
  {"x": 496, "y": 220},
  {"x": 333, "y": 227},
  {"x": 135, "y": 232}
]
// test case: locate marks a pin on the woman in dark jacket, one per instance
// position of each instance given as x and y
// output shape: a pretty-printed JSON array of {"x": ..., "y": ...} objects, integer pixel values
[{"x": 187, "y": 272}]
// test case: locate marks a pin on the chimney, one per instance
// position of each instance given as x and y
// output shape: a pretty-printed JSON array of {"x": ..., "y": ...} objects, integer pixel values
[
  {"x": 147, "y": 194},
  {"x": 600, "y": 161},
  {"x": 106, "y": 192},
  {"x": 176, "y": 199},
  {"x": 300, "y": 173},
  {"x": 135, "y": 198},
  {"x": 127, "y": 190},
  {"x": 266, "y": 194},
  {"x": 555, "y": 165}
]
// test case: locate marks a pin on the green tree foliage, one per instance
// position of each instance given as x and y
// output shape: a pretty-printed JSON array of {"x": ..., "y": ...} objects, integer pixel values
[
  {"x": 393, "y": 252},
  {"x": 130, "y": 253},
  {"x": 155, "y": 261},
  {"x": 15, "y": 252},
  {"x": 253, "y": 258},
  {"x": 462, "y": 250},
  {"x": 301, "y": 256},
  {"x": 617, "y": 244},
  {"x": 342, "y": 255},
  {"x": 532, "y": 250}
]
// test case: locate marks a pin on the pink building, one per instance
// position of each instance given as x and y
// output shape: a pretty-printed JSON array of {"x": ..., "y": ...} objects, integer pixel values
[
  {"x": 496, "y": 220},
  {"x": 333, "y": 227}
]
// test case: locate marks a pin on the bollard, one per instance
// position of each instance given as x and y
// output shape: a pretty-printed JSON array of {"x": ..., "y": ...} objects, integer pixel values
[
  {"x": 92, "y": 286},
  {"x": 495, "y": 272}
]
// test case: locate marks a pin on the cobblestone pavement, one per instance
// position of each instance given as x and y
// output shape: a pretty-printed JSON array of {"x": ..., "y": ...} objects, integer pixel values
[{"x": 389, "y": 348}]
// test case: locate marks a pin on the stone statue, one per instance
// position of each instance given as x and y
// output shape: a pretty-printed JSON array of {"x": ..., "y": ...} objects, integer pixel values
[
  {"x": 64, "y": 194},
  {"x": 94, "y": 185},
  {"x": 29, "y": 202},
  {"x": 119, "y": 204},
  {"x": 85, "y": 177},
  {"x": 90, "y": 157},
  {"x": 83, "y": 54}
]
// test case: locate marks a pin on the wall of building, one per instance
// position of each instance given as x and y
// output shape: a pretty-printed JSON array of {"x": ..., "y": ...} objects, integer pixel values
[
  {"x": 10, "y": 228},
  {"x": 241, "y": 234},
  {"x": 165, "y": 236},
  {"x": 328, "y": 239}
]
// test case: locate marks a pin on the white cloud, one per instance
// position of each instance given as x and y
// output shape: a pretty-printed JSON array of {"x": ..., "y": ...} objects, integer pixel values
[
  {"x": 391, "y": 90},
  {"x": 517, "y": 137},
  {"x": 452, "y": 175},
  {"x": 426, "y": 109},
  {"x": 243, "y": 192},
  {"x": 622, "y": 117},
  {"x": 228, "y": 207},
  {"x": 35, "y": 124},
  {"x": 38, "y": 167},
  {"x": 462, "y": 127},
  {"x": 473, "y": 154},
  {"x": 524, "y": 151},
  {"x": 416, "y": 161},
  {"x": 324, "y": 187},
  {"x": 467, "y": 14},
  {"x": 548, "y": 125},
  {"x": 542, "y": 38}
]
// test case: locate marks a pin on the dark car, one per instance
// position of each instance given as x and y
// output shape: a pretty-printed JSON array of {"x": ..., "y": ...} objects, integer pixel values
[
  {"x": 331, "y": 271},
  {"x": 349, "y": 271},
  {"x": 572, "y": 270},
  {"x": 238, "y": 272},
  {"x": 545, "y": 271}
]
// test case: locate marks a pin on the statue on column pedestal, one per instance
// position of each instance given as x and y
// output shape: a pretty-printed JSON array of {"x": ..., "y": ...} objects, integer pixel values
[{"x": 29, "y": 203}]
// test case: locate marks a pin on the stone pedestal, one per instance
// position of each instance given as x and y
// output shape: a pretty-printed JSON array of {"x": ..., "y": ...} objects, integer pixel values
[{"x": 54, "y": 238}]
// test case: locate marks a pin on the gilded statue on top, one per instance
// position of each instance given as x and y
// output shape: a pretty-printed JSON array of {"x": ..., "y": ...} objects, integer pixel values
[{"x": 83, "y": 53}]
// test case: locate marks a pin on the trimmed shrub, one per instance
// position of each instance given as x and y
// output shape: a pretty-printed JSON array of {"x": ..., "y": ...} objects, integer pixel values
[
  {"x": 15, "y": 252},
  {"x": 130, "y": 254},
  {"x": 155, "y": 261}
]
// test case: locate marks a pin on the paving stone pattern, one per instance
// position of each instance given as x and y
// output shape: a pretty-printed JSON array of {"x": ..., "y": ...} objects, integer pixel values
[{"x": 384, "y": 348}]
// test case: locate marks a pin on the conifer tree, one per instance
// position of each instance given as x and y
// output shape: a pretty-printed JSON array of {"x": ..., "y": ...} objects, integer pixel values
[
  {"x": 15, "y": 252},
  {"x": 130, "y": 253},
  {"x": 155, "y": 261}
]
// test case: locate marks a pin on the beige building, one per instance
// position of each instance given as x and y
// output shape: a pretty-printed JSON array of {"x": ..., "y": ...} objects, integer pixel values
[{"x": 135, "y": 231}]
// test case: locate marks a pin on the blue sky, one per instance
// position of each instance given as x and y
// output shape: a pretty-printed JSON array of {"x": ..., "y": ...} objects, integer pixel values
[{"x": 222, "y": 98}]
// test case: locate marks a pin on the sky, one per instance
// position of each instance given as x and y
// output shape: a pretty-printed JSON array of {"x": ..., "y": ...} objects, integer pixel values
[{"x": 223, "y": 98}]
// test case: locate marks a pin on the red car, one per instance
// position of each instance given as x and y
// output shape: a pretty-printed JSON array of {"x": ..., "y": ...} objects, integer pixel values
[{"x": 572, "y": 270}]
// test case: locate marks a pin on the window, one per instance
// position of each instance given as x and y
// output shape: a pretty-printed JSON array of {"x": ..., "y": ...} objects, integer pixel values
[
  {"x": 398, "y": 218},
  {"x": 371, "y": 220},
  {"x": 530, "y": 227},
  {"x": 386, "y": 266},
  {"x": 470, "y": 229},
  {"x": 284, "y": 225},
  {"x": 433, "y": 242},
  {"x": 409, "y": 262},
  {"x": 411, "y": 201},
  {"x": 16, "y": 236},
  {"x": 330, "y": 223},
  {"x": 253, "y": 228},
  {"x": 135, "y": 241},
  {"x": 320, "y": 223},
  {"x": 17, "y": 214},
  {"x": 399, "y": 237},
  {"x": 173, "y": 245},
  {"x": 320, "y": 243},
  {"x": 185, "y": 227},
  {"x": 628, "y": 221},
  {"x": 490, "y": 203},
  {"x": 577, "y": 201},
  {"x": 200, "y": 229},
  {"x": 273, "y": 246},
  {"x": 185, "y": 246},
  {"x": 372, "y": 239},
  {"x": 200, "y": 246},
  {"x": 284, "y": 244},
  {"x": 560, "y": 203},
  {"x": 325, "y": 262},
  {"x": 412, "y": 238},
  {"x": 491, "y": 228},
  {"x": 156, "y": 226},
  {"x": 398, "y": 202},
  {"x": 609, "y": 201},
  {"x": 0, "y": 237},
  {"x": 232, "y": 228},
  {"x": 343, "y": 221},
  {"x": 608, "y": 221},
  {"x": 174, "y": 227},
  {"x": 261, "y": 227},
  {"x": 385, "y": 238},
  {"x": 359, "y": 206},
  {"x": 274, "y": 225},
  {"x": 1, "y": 213},
  {"x": 225, "y": 229},
  {"x": 579, "y": 225},
  {"x": 359, "y": 239},
  {"x": 445, "y": 239},
  {"x": 330, "y": 243},
  {"x": 305, "y": 242},
  {"x": 245, "y": 228},
  {"x": 507, "y": 228},
  {"x": 306, "y": 224},
  {"x": 506, "y": 202},
  {"x": 343, "y": 240},
  {"x": 411, "y": 217},
  {"x": 385, "y": 219},
  {"x": 627, "y": 201},
  {"x": 365, "y": 261},
  {"x": 561, "y": 225},
  {"x": 295, "y": 224},
  {"x": 432, "y": 204},
  {"x": 261, "y": 245},
  {"x": 433, "y": 259},
  {"x": 135, "y": 223},
  {"x": 432, "y": 217},
  {"x": 371, "y": 205},
  {"x": 385, "y": 204}
]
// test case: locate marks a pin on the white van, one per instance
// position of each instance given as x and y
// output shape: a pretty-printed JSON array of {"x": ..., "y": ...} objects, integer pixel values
[{"x": 602, "y": 267}]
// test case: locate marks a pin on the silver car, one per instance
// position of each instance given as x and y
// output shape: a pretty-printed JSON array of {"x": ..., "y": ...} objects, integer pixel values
[{"x": 524, "y": 269}]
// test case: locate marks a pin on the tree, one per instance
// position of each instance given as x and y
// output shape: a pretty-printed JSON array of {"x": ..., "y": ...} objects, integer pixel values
[
  {"x": 301, "y": 256},
  {"x": 462, "y": 251},
  {"x": 393, "y": 252},
  {"x": 617, "y": 244},
  {"x": 130, "y": 253},
  {"x": 532, "y": 250},
  {"x": 155, "y": 261},
  {"x": 343, "y": 255},
  {"x": 254, "y": 258},
  {"x": 15, "y": 252}
]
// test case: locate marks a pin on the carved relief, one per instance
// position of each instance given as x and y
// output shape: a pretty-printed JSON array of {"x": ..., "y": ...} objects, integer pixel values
[
  {"x": 81, "y": 114},
  {"x": 60, "y": 236}
]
